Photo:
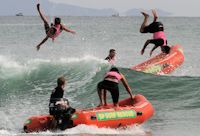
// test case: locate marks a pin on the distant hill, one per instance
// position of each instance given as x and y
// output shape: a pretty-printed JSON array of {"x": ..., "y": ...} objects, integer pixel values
[
  {"x": 136, "y": 12},
  {"x": 28, "y": 7}
]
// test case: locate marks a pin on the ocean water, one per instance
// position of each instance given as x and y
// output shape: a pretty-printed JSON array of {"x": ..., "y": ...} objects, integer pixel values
[{"x": 28, "y": 76}]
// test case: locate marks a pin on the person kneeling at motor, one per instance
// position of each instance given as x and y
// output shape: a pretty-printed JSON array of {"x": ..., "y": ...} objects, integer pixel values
[
  {"x": 110, "y": 83},
  {"x": 59, "y": 106}
]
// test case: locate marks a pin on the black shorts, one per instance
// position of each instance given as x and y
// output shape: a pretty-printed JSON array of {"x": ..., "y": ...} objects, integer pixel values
[
  {"x": 153, "y": 27},
  {"x": 112, "y": 87},
  {"x": 46, "y": 27}
]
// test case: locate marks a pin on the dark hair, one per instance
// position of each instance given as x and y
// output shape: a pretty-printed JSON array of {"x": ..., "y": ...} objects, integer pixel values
[
  {"x": 115, "y": 69},
  {"x": 112, "y": 50},
  {"x": 165, "y": 49},
  {"x": 61, "y": 81},
  {"x": 57, "y": 21}
]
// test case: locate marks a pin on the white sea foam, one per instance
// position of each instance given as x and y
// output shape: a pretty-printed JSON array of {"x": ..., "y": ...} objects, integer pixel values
[{"x": 10, "y": 67}]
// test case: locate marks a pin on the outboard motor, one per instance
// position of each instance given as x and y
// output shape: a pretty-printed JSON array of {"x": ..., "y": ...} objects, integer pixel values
[{"x": 62, "y": 113}]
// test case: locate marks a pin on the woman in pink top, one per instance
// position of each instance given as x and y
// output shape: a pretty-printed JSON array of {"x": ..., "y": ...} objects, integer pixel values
[
  {"x": 110, "y": 83},
  {"x": 157, "y": 28},
  {"x": 54, "y": 30}
]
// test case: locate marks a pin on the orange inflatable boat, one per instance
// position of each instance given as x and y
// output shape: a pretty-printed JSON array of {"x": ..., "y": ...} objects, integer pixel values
[
  {"x": 162, "y": 63},
  {"x": 127, "y": 114}
]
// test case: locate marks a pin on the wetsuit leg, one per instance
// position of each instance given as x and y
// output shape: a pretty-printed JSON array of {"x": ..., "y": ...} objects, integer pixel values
[
  {"x": 100, "y": 90},
  {"x": 67, "y": 122},
  {"x": 112, "y": 87},
  {"x": 46, "y": 27},
  {"x": 115, "y": 95}
]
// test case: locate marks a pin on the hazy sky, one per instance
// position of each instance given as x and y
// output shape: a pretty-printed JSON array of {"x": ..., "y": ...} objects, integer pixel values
[{"x": 177, "y": 7}]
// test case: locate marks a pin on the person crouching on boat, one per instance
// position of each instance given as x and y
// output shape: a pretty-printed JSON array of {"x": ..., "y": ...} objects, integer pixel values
[
  {"x": 157, "y": 28},
  {"x": 110, "y": 83},
  {"x": 54, "y": 30},
  {"x": 111, "y": 57},
  {"x": 59, "y": 106}
]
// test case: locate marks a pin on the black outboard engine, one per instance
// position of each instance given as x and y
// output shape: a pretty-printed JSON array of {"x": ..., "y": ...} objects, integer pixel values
[
  {"x": 66, "y": 121},
  {"x": 62, "y": 112}
]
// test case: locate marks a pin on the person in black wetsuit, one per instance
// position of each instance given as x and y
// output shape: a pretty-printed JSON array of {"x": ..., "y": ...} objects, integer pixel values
[{"x": 59, "y": 106}]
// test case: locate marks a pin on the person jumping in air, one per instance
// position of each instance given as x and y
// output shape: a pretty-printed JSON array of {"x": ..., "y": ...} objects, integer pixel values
[
  {"x": 54, "y": 30},
  {"x": 157, "y": 28}
]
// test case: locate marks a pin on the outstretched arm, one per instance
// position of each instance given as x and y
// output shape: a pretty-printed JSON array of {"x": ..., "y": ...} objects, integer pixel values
[
  {"x": 43, "y": 41},
  {"x": 45, "y": 20},
  {"x": 153, "y": 49},
  {"x": 128, "y": 89},
  {"x": 145, "y": 45},
  {"x": 67, "y": 29}
]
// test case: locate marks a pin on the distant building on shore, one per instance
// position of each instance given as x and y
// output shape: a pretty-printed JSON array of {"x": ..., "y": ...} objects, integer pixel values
[{"x": 115, "y": 15}]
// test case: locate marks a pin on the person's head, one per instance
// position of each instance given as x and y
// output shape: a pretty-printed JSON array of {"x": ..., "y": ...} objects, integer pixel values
[
  {"x": 61, "y": 81},
  {"x": 165, "y": 49},
  {"x": 57, "y": 21},
  {"x": 112, "y": 53},
  {"x": 114, "y": 69}
]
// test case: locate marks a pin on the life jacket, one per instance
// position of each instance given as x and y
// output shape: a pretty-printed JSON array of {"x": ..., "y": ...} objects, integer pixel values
[
  {"x": 160, "y": 35},
  {"x": 58, "y": 31},
  {"x": 114, "y": 74}
]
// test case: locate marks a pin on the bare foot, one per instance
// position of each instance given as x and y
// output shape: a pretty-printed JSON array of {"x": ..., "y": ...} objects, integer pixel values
[
  {"x": 145, "y": 14},
  {"x": 38, "y": 6},
  {"x": 117, "y": 107}
]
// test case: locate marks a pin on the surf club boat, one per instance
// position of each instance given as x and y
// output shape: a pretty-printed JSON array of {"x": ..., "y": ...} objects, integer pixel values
[
  {"x": 162, "y": 63},
  {"x": 128, "y": 113}
]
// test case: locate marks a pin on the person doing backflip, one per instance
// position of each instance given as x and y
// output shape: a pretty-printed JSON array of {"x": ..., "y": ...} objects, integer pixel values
[{"x": 157, "y": 28}]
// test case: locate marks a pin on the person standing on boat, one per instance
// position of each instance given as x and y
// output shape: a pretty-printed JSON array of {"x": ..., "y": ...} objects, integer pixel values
[
  {"x": 111, "y": 57},
  {"x": 59, "y": 106},
  {"x": 54, "y": 30},
  {"x": 157, "y": 28},
  {"x": 110, "y": 83}
]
